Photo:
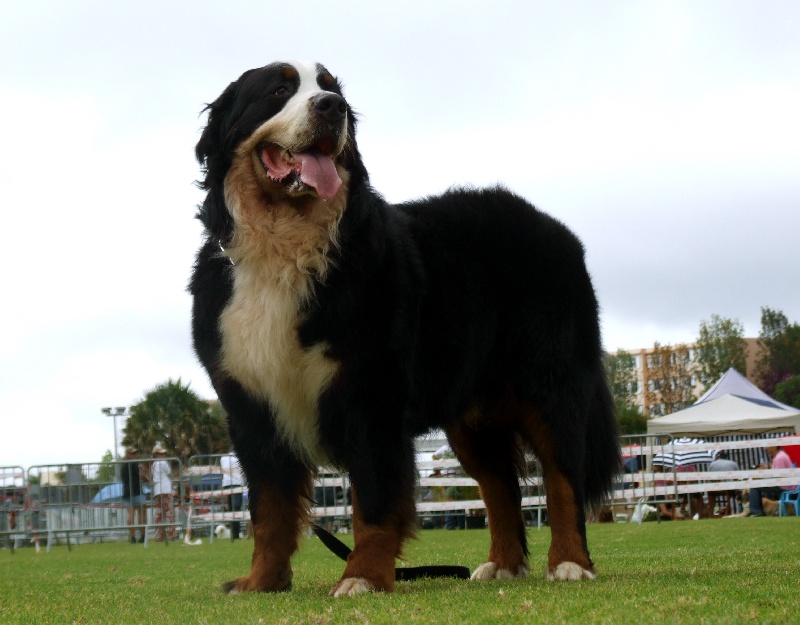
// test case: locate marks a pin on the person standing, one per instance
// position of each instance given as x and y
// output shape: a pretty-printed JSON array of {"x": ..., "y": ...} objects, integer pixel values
[
  {"x": 161, "y": 479},
  {"x": 132, "y": 494},
  {"x": 232, "y": 482},
  {"x": 780, "y": 460}
]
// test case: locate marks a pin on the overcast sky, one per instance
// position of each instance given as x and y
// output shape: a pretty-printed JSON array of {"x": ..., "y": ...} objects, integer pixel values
[{"x": 666, "y": 135}]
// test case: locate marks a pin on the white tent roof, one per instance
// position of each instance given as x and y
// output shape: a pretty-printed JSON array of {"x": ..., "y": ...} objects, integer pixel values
[
  {"x": 734, "y": 383},
  {"x": 727, "y": 415}
]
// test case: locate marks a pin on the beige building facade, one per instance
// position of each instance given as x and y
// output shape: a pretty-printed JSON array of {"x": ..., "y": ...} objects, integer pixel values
[{"x": 653, "y": 389}]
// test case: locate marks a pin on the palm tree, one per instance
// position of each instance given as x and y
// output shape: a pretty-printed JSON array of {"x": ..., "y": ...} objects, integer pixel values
[{"x": 179, "y": 419}]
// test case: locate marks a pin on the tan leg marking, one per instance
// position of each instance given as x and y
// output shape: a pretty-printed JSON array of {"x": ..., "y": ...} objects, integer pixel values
[
  {"x": 567, "y": 558},
  {"x": 492, "y": 467},
  {"x": 371, "y": 564},
  {"x": 276, "y": 529}
]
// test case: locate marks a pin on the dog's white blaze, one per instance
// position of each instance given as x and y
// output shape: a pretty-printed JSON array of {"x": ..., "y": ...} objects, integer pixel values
[
  {"x": 262, "y": 351},
  {"x": 290, "y": 126},
  {"x": 276, "y": 250}
]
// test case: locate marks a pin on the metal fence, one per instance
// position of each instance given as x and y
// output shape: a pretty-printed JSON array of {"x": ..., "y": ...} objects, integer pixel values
[
  {"x": 219, "y": 496},
  {"x": 14, "y": 521},
  {"x": 448, "y": 498},
  {"x": 642, "y": 478},
  {"x": 692, "y": 485},
  {"x": 90, "y": 502},
  {"x": 746, "y": 457}
]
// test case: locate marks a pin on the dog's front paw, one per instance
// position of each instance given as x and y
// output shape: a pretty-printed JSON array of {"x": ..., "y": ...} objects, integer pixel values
[
  {"x": 352, "y": 586},
  {"x": 489, "y": 570},
  {"x": 232, "y": 587},
  {"x": 274, "y": 583},
  {"x": 569, "y": 571}
]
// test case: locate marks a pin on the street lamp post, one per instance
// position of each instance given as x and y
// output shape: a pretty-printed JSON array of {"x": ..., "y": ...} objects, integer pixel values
[{"x": 119, "y": 411}]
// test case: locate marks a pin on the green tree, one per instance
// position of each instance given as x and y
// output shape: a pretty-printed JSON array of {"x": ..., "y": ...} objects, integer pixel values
[
  {"x": 788, "y": 392},
  {"x": 105, "y": 471},
  {"x": 720, "y": 345},
  {"x": 623, "y": 380},
  {"x": 179, "y": 419},
  {"x": 671, "y": 383},
  {"x": 780, "y": 350},
  {"x": 622, "y": 377},
  {"x": 631, "y": 420}
]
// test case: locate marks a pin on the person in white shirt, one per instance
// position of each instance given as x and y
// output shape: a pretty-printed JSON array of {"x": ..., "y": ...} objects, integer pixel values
[
  {"x": 232, "y": 479},
  {"x": 161, "y": 480}
]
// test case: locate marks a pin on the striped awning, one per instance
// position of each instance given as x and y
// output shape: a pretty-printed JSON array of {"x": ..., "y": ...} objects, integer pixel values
[{"x": 682, "y": 459}]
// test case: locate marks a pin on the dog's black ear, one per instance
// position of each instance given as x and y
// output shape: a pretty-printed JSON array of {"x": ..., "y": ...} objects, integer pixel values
[
  {"x": 215, "y": 216},
  {"x": 210, "y": 147},
  {"x": 214, "y": 155}
]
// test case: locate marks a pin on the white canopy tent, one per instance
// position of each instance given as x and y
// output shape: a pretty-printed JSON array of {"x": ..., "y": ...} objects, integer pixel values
[
  {"x": 727, "y": 415},
  {"x": 734, "y": 383}
]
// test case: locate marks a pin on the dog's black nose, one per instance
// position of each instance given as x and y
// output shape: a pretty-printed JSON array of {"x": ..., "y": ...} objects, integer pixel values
[{"x": 329, "y": 106}]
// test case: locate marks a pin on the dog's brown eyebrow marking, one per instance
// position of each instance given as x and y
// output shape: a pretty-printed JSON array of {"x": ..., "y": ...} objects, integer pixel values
[{"x": 289, "y": 72}]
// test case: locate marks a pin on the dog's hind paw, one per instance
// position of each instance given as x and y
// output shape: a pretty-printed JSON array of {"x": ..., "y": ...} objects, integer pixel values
[
  {"x": 489, "y": 570},
  {"x": 569, "y": 571},
  {"x": 352, "y": 586}
]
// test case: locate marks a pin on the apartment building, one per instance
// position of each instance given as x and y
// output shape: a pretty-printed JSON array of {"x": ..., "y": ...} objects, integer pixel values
[{"x": 669, "y": 377}]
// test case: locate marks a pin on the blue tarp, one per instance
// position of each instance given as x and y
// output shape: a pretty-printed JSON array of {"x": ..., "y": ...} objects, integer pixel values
[{"x": 112, "y": 493}]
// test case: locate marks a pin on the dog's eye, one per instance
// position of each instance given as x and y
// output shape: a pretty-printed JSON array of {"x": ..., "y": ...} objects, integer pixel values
[{"x": 281, "y": 90}]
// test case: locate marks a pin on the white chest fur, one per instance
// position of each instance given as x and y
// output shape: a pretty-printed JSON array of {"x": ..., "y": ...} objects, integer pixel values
[{"x": 262, "y": 351}]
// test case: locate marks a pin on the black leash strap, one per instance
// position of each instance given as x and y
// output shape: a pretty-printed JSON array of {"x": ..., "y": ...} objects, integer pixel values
[{"x": 402, "y": 574}]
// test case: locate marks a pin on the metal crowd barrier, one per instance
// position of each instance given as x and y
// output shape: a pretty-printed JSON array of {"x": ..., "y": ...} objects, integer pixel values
[
  {"x": 643, "y": 480},
  {"x": 15, "y": 521},
  {"x": 219, "y": 496},
  {"x": 84, "y": 503},
  {"x": 332, "y": 507},
  {"x": 448, "y": 497},
  {"x": 701, "y": 489}
]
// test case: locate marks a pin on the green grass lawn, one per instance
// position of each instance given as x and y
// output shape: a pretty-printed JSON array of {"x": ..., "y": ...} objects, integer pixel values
[{"x": 716, "y": 571}]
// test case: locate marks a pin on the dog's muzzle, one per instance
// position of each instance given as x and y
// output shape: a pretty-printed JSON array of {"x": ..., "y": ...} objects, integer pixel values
[{"x": 314, "y": 163}]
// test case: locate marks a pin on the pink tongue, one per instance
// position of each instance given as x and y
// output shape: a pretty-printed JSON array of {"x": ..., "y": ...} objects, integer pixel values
[
  {"x": 277, "y": 166},
  {"x": 319, "y": 172}
]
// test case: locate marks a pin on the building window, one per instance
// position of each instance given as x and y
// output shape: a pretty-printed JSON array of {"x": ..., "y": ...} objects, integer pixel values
[{"x": 682, "y": 357}]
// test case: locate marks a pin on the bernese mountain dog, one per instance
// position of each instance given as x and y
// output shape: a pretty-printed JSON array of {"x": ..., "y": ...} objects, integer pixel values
[{"x": 336, "y": 327}]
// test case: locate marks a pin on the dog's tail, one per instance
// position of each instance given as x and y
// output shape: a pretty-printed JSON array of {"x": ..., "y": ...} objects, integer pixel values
[{"x": 603, "y": 461}]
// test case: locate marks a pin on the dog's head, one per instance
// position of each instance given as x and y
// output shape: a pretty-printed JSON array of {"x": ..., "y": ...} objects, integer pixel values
[{"x": 288, "y": 129}]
